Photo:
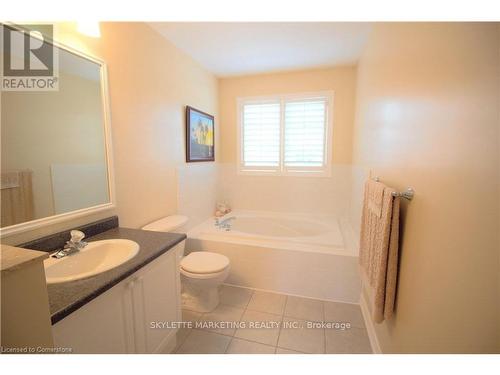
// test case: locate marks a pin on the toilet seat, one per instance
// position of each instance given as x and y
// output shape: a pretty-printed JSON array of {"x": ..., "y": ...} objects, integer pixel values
[
  {"x": 204, "y": 263},
  {"x": 204, "y": 276}
]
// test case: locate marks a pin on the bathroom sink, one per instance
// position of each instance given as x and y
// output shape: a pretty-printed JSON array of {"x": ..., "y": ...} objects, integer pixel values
[{"x": 93, "y": 259}]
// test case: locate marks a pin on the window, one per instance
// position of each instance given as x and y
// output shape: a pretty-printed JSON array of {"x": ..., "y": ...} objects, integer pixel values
[{"x": 285, "y": 135}]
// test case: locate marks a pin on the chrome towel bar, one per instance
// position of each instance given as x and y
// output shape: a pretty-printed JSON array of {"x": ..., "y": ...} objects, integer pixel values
[{"x": 407, "y": 194}]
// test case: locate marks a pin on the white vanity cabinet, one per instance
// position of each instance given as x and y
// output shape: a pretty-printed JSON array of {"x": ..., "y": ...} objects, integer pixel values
[{"x": 119, "y": 320}]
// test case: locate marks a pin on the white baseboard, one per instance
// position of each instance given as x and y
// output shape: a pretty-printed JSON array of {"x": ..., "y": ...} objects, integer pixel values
[
  {"x": 290, "y": 294},
  {"x": 370, "y": 328}
]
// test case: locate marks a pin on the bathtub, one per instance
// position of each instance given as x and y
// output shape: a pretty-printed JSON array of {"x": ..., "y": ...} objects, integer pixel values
[{"x": 305, "y": 255}]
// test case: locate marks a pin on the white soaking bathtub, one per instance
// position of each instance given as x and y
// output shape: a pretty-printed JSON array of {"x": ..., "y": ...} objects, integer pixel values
[{"x": 305, "y": 255}]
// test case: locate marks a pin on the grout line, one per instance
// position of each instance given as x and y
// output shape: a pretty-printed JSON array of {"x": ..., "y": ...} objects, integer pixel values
[
  {"x": 247, "y": 309},
  {"x": 281, "y": 323},
  {"x": 178, "y": 346},
  {"x": 266, "y": 312},
  {"x": 215, "y": 333},
  {"x": 229, "y": 344},
  {"x": 244, "y": 311},
  {"x": 324, "y": 329},
  {"x": 283, "y": 315},
  {"x": 234, "y": 337},
  {"x": 250, "y": 299},
  {"x": 260, "y": 311},
  {"x": 253, "y": 342},
  {"x": 239, "y": 320},
  {"x": 293, "y": 350}
]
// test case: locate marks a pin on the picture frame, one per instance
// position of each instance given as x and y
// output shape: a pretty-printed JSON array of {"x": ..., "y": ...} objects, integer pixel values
[{"x": 200, "y": 136}]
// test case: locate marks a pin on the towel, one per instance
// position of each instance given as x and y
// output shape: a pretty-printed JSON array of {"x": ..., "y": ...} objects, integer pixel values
[
  {"x": 378, "y": 254},
  {"x": 375, "y": 197},
  {"x": 9, "y": 180}
]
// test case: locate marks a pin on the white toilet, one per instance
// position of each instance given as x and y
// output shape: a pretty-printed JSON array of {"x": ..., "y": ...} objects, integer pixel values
[{"x": 201, "y": 271}]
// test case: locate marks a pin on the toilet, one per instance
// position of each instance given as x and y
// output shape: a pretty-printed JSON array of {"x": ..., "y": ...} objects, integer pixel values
[{"x": 202, "y": 272}]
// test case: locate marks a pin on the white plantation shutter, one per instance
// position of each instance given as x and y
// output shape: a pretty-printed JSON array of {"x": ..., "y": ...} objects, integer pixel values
[
  {"x": 261, "y": 134},
  {"x": 305, "y": 126},
  {"x": 285, "y": 135}
]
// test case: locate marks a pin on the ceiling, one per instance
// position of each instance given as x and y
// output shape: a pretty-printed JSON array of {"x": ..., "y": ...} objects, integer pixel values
[{"x": 229, "y": 49}]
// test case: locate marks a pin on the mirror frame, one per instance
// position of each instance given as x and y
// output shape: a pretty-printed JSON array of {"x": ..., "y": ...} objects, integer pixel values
[{"x": 49, "y": 220}]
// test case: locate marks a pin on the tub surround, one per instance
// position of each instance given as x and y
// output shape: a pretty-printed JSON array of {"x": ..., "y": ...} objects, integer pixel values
[
  {"x": 66, "y": 298},
  {"x": 326, "y": 262},
  {"x": 301, "y": 232},
  {"x": 286, "y": 194}
]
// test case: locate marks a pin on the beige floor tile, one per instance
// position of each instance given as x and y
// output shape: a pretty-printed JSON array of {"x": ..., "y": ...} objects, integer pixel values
[
  {"x": 259, "y": 333},
  {"x": 190, "y": 316},
  {"x": 203, "y": 342},
  {"x": 234, "y": 296},
  {"x": 286, "y": 351},
  {"x": 344, "y": 312},
  {"x": 272, "y": 303},
  {"x": 353, "y": 341},
  {"x": 301, "y": 338},
  {"x": 221, "y": 318},
  {"x": 181, "y": 335},
  {"x": 238, "y": 346},
  {"x": 304, "y": 308}
]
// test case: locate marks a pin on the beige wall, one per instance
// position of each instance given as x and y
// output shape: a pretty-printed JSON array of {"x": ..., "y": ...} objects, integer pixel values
[
  {"x": 150, "y": 82},
  {"x": 428, "y": 117},
  {"x": 289, "y": 194}
]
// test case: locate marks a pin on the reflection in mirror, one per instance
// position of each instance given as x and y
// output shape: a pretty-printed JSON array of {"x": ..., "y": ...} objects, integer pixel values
[{"x": 53, "y": 146}]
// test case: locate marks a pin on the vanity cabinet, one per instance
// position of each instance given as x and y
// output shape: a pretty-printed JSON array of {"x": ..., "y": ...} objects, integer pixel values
[{"x": 120, "y": 320}]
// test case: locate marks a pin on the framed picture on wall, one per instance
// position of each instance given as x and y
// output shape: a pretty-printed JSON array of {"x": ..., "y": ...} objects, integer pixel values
[{"x": 199, "y": 136}]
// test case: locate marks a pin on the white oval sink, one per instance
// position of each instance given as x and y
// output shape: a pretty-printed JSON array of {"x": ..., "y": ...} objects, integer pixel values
[{"x": 93, "y": 259}]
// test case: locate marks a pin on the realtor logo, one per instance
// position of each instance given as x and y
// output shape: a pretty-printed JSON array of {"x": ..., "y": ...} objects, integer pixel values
[{"x": 29, "y": 58}]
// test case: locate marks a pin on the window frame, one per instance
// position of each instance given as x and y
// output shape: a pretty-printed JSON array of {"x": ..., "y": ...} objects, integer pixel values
[{"x": 282, "y": 169}]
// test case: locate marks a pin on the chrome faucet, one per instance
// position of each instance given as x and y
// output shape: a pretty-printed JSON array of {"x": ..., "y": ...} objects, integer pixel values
[
  {"x": 74, "y": 245},
  {"x": 225, "y": 223}
]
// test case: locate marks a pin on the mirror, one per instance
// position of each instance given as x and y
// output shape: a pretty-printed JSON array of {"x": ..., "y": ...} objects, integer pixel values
[{"x": 55, "y": 145}]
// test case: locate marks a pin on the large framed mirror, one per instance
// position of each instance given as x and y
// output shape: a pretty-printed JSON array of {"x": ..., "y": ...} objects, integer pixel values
[{"x": 56, "y": 159}]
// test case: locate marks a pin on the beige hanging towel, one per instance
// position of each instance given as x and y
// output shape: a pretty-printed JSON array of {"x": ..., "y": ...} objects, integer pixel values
[{"x": 378, "y": 253}]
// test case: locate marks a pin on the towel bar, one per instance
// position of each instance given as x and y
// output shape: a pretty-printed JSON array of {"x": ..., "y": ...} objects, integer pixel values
[{"x": 408, "y": 194}]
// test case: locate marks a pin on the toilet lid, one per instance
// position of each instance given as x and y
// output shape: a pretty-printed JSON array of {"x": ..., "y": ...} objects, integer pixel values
[
  {"x": 167, "y": 224},
  {"x": 204, "y": 262}
]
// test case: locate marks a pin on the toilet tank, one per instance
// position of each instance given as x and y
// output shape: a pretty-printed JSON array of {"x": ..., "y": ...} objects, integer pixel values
[
  {"x": 173, "y": 223},
  {"x": 167, "y": 224}
]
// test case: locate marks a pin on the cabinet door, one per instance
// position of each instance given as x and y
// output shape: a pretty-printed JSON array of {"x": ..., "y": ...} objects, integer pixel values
[
  {"x": 104, "y": 325},
  {"x": 156, "y": 298}
]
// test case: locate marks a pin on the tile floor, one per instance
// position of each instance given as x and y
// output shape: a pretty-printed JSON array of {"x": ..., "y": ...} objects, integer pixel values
[{"x": 286, "y": 319}]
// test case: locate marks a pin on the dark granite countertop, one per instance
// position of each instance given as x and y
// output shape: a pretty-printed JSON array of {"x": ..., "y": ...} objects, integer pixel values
[{"x": 66, "y": 298}]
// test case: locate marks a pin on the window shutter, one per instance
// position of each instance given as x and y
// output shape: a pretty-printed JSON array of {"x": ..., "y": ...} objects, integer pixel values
[
  {"x": 305, "y": 127},
  {"x": 261, "y": 134}
]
